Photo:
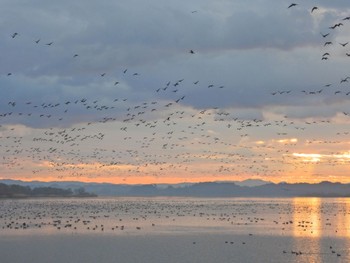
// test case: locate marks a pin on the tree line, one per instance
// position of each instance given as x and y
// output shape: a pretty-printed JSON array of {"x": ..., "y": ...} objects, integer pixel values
[{"x": 18, "y": 191}]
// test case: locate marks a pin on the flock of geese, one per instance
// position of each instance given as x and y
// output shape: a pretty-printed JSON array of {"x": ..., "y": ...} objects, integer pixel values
[
  {"x": 329, "y": 47},
  {"x": 77, "y": 137}
]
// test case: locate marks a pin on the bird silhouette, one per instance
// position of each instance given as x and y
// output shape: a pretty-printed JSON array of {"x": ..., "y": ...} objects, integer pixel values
[{"x": 336, "y": 25}]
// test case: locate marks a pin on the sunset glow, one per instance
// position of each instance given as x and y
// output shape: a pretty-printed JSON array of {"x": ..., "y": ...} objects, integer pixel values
[{"x": 138, "y": 99}]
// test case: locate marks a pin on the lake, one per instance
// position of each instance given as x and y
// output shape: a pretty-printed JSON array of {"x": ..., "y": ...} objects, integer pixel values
[{"x": 176, "y": 229}]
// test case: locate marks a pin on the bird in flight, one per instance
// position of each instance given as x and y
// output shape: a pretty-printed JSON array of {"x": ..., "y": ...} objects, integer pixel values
[
  {"x": 191, "y": 51},
  {"x": 49, "y": 44},
  {"x": 314, "y": 8},
  {"x": 324, "y": 35},
  {"x": 344, "y": 80},
  {"x": 291, "y": 5},
  {"x": 336, "y": 25},
  {"x": 344, "y": 44},
  {"x": 37, "y": 41}
]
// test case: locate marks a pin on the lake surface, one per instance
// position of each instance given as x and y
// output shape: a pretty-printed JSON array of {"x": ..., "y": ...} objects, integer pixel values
[{"x": 280, "y": 229}]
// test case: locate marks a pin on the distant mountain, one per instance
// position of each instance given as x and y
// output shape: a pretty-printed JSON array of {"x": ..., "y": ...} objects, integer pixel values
[
  {"x": 248, "y": 188},
  {"x": 252, "y": 182}
]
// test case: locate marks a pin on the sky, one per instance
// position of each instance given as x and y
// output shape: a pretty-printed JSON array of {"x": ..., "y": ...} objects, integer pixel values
[{"x": 175, "y": 91}]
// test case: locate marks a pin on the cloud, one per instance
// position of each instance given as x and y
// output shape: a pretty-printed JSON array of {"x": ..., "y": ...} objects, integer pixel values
[{"x": 256, "y": 71}]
